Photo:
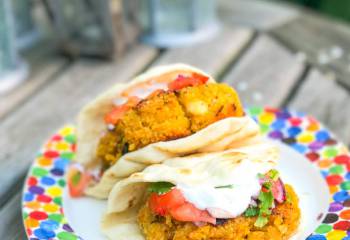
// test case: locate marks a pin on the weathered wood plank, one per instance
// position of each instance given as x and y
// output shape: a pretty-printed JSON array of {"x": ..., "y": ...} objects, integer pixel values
[
  {"x": 322, "y": 97},
  {"x": 23, "y": 131},
  {"x": 323, "y": 41},
  {"x": 11, "y": 227},
  {"x": 43, "y": 65},
  {"x": 212, "y": 56},
  {"x": 258, "y": 14},
  {"x": 266, "y": 74}
]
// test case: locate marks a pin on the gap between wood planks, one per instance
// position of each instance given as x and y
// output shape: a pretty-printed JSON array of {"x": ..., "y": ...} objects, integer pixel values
[{"x": 235, "y": 60}]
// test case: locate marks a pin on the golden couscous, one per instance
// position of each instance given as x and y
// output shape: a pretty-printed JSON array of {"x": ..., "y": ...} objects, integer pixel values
[
  {"x": 168, "y": 115},
  {"x": 282, "y": 223}
]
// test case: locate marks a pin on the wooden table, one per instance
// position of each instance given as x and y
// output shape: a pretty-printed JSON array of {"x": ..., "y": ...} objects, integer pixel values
[{"x": 272, "y": 54}]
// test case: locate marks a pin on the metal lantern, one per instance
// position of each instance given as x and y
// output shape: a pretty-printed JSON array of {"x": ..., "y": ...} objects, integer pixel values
[{"x": 171, "y": 23}]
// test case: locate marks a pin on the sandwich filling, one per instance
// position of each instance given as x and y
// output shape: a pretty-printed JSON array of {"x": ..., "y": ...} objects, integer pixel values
[{"x": 179, "y": 109}]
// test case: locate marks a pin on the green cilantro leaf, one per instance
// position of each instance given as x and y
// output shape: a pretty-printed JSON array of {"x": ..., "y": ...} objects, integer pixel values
[
  {"x": 261, "y": 221},
  {"x": 226, "y": 186},
  {"x": 273, "y": 174},
  {"x": 251, "y": 212},
  {"x": 160, "y": 187},
  {"x": 76, "y": 178}
]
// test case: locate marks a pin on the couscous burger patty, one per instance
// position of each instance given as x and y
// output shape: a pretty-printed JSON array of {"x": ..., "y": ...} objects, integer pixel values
[{"x": 168, "y": 115}]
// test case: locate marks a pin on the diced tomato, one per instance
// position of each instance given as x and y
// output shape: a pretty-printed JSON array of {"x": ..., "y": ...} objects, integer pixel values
[
  {"x": 189, "y": 213},
  {"x": 278, "y": 191},
  {"x": 161, "y": 204},
  {"x": 118, "y": 112},
  {"x": 174, "y": 203},
  {"x": 77, "y": 182},
  {"x": 185, "y": 81}
]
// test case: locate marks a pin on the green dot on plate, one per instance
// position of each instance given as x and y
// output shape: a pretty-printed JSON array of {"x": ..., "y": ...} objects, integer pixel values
[
  {"x": 70, "y": 138},
  {"x": 337, "y": 169},
  {"x": 58, "y": 200},
  {"x": 56, "y": 217},
  {"x": 323, "y": 228},
  {"x": 62, "y": 182},
  {"x": 25, "y": 215},
  {"x": 330, "y": 152},
  {"x": 39, "y": 172},
  {"x": 264, "y": 128},
  {"x": 66, "y": 236},
  {"x": 67, "y": 155},
  {"x": 345, "y": 185},
  {"x": 253, "y": 111}
]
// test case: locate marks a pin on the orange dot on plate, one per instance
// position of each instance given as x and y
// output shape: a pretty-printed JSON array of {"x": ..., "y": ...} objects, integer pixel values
[
  {"x": 33, "y": 205},
  {"x": 313, "y": 127},
  {"x": 333, "y": 189},
  {"x": 31, "y": 223},
  {"x": 345, "y": 214},
  {"x": 325, "y": 163},
  {"x": 44, "y": 162}
]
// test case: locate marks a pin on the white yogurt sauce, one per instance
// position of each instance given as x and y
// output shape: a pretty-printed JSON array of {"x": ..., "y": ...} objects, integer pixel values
[
  {"x": 227, "y": 202},
  {"x": 145, "y": 92}
]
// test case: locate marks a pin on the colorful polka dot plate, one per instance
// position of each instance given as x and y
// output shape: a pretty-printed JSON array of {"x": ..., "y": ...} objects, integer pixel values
[{"x": 312, "y": 160}]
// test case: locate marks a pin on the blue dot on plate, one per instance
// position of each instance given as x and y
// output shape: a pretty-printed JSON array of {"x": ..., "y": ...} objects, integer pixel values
[
  {"x": 47, "y": 181},
  {"x": 346, "y": 238},
  {"x": 43, "y": 234},
  {"x": 316, "y": 237},
  {"x": 61, "y": 163},
  {"x": 322, "y": 136},
  {"x": 49, "y": 225},
  {"x": 28, "y": 197},
  {"x": 347, "y": 176},
  {"x": 294, "y": 131},
  {"x": 324, "y": 173},
  {"x": 341, "y": 196},
  {"x": 278, "y": 124},
  {"x": 299, "y": 147}
]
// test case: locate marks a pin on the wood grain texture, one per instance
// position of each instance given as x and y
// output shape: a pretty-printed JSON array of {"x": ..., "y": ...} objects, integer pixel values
[
  {"x": 266, "y": 73},
  {"x": 257, "y": 14},
  {"x": 323, "y": 41},
  {"x": 325, "y": 99},
  {"x": 213, "y": 55},
  {"x": 25, "y": 130}
]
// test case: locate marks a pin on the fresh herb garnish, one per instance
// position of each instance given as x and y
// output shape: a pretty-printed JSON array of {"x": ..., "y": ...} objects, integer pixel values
[
  {"x": 266, "y": 198},
  {"x": 265, "y": 205},
  {"x": 261, "y": 221},
  {"x": 226, "y": 186},
  {"x": 160, "y": 187},
  {"x": 76, "y": 178},
  {"x": 251, "y": 211},
  {"x": 273, "y": 174}
]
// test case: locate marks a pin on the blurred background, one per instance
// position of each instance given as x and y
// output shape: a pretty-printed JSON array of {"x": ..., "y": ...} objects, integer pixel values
[{"x": 105, "y": 29}]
